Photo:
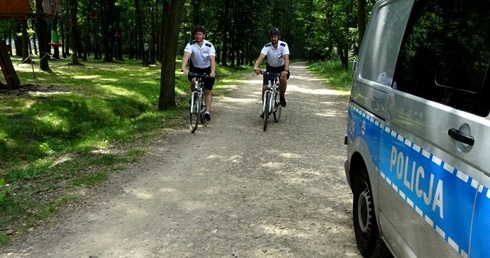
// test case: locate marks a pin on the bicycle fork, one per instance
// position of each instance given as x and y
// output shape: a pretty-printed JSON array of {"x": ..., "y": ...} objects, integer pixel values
[
  {"x": 268, "y": 95},
  {"x": 201, "y": 108}
]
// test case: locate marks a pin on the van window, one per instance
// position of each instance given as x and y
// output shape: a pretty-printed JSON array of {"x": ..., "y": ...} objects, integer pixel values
[
  {"x": 382, "y": 43},
  {"x": 445, "y": 54}
]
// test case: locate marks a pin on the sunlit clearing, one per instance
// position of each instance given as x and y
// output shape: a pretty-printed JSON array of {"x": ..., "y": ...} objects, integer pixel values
[
  {"x": 145, "y": 196},
  {"x": 149, "y": 115},
  {"x": 233, "y": 158},
  {"x": 273, "y": 230},
  {"x": 167, "y": 190},
  {"x": 235, "y": 82},
  {"x": 106, "y": 79},
  {"x": 98, "y": 142},
  {"x": 306, "y": 78},
  {"x": 272, "y": 165},
  {"x": 3, "y": 135},
  {"x": 27, "y": 105},
  {"x": 328, "y": 114},
  {"x": 235, "y": 100},
  {"x": 137, "y": 212},
  {"x": 119, "y": 91},
  {"x": 86, "y": 76},
  {"x": 104, "y": 151},
  {"x": 54, "y": 121},
  {"x": 290, "y": 155},
  {"x": 179, "y": 91},
  {"x": 292, "y": 87},
  {"x": 62, "y": 159},
  {"x": 255, "y": 82},
  {"x": 190, "y": 206},
  {"x": 7, "y": 141},
  {"x": 149, "y": 74}
]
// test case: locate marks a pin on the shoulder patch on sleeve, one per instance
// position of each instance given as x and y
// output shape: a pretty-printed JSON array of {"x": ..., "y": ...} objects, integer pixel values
[
  {"x": 193, "y": 42},
  {"x": 283, "y": 44},
  {"x": 268, "y": 45},
  {"x": 209, "y": 45}
]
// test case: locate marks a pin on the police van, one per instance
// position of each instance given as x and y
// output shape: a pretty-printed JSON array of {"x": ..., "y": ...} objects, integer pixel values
[{"x": 418, "y": 130}]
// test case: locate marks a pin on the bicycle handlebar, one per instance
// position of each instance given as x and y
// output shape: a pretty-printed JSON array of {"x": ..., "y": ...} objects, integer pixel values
[
  {"x": 269, "y": 73},
  {"x": 199, "y": 75}
]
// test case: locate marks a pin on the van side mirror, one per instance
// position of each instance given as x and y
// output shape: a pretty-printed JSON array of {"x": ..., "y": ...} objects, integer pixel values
[{"x": 354, "y": 66}]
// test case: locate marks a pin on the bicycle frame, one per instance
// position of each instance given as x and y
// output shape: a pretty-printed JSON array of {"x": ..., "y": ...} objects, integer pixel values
[
  {"x": 197, "y": 102},
  {"x": 270, "y": 104},
  {"x": 198, "y": 88}
]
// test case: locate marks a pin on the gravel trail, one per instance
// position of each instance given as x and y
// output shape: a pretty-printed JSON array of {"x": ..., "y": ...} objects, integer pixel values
[{"x": 229, "y": 190}]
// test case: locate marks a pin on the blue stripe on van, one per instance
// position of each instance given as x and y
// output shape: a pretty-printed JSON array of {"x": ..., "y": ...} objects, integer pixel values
[
  {"x": 480, "y": 245},
  {"x": 439, "y": 192}
]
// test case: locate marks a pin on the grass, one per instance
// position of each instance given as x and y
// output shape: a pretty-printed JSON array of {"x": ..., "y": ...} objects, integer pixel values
[
  {"x": 77, "y": 125},
  {"x": 67, "y": 131},
  {"x": 337, "y": 77}
]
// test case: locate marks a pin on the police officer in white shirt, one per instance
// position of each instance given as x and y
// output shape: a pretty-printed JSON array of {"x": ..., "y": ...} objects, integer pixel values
[
  {"x": 202, "y": 55},
  {"x": 277, "y": 53}
]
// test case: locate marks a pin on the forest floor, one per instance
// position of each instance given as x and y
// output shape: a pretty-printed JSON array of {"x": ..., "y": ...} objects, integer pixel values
[{"x": 228, "y": 190}]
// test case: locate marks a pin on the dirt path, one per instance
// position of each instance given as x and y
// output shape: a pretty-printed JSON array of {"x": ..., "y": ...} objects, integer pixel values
[{"x": 229, "y": 190}]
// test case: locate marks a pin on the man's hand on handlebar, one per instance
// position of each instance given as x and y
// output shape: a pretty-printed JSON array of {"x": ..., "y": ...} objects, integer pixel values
[{"x": 284, "y": 74}]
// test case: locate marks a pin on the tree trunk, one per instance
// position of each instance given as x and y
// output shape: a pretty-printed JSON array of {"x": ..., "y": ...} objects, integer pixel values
[
  {"x": 18, "y": 41},
  {"x": 361, "y": 20},
  {"x": 73, "y": 6},
  {"x": 196, "y": 13},
  {"x": 139, "y": 33},
  {"x": 7, "y": 69},
  {"x": 329, "y": 23},
  {"x": 25, "y": 41},
  {"x": 167, "y": 78},
  {"x": 224, "y": 53},
  {"x": 233, "y": 38},
  {"x": 107, "y": 23},
  {"x": 119, "y": 55},
  {"x": 41, "y": 32},
  {"x": 118, "y": 36},
  {"x": 64, "y": 39},
  {"x": 153, "y": 36}
]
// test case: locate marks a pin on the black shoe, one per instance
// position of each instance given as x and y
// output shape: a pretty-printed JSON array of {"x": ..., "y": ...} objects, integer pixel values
[
  {"x": 207, "y": 116},
  {"x": 262, "y": 115},
  {"x": 283, "y": 101}
]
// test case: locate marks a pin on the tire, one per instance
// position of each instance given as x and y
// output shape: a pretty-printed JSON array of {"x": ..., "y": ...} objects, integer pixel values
[
  {"x": 277, "y": 109},
  {"x": 368, "y": 239},
  {"x": 267, "y": 100},
  {"x": 195, "y": 112},
  {"x": 201, "y": 109}
]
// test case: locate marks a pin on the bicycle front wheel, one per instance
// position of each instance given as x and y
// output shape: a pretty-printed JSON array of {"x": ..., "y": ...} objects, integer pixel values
[
  {"x": 277, "y": 109},
  {"x": 195, "y": 112},
  {"x": 267, "y": 108}
]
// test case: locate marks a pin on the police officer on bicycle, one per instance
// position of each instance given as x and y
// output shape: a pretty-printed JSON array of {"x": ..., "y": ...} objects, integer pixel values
[
  {"x": 202, "y": 55},
  {"x": 277, "y": 53}
]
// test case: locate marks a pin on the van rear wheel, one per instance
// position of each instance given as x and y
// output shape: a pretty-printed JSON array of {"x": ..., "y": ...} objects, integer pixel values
[{"x": 366, "y": 230}]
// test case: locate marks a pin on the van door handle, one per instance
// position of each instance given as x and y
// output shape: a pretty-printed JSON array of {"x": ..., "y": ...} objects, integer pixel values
[{"x": 458, "y": 136}]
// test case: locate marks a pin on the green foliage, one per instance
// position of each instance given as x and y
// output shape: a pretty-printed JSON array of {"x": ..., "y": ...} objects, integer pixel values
[
  {"x": 314, "y": 29},
  {"x": 3, "y": 239},
  {"x": 92, "y": 179},
  {"x": 337, "y": 77}
]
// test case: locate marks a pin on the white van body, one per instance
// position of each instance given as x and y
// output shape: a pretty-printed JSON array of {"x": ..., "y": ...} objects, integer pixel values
[{"x": 418, "y": 134}]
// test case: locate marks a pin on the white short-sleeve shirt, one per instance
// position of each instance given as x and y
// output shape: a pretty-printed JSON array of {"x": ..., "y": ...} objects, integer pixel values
[
  {"x": 275, "y": 56},
  {"x": 200, "y": 55}
]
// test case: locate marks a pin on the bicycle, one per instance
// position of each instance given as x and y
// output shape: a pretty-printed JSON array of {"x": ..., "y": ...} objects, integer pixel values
[
  {"x": 197, "y": 110},
  {"x": 271, "y": 101}
]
